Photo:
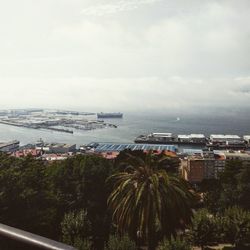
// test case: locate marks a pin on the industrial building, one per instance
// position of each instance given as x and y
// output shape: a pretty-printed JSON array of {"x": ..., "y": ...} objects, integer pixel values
[
  {"x": 56, "y": 148},
  {"x": 167, "y": 135},
  {"x": 194, "y": 138},
  {"x": 224, "y": 138},
  {"x": 11, "y": 146},
  {"x": 117, "y": 147},
  {"x": 227, "y": 142}
]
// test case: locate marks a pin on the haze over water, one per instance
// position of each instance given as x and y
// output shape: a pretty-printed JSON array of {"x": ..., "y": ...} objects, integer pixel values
[{"x": 134, "y": 124}]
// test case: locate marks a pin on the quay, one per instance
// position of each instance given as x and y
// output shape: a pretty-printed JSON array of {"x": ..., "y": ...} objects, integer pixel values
[
  {"x": 36, "y": 126},
  {"x": 214, "y": 141}
]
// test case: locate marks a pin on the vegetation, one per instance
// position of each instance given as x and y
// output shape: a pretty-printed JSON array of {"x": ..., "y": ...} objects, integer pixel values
[
  {"x": 120, "y": 243},
  {"x": 231, "y": 189},
  {"x": 26, "y": 200},
  {"x": 232, "y": 226},
  {"x": 204, "y": 229},
  {"x": 169, "y": 163},
  {"x": 236, "y": 225},
  {"x": 148, "y": 202},
  {"x": 136, "y": 200},
  {"x": 44, "y": 193},
  {"x": 76, "y": 229},
  {"x": 174, "y": 244}
]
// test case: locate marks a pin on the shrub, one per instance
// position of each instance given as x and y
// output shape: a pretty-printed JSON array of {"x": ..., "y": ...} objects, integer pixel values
[
  {"x": 120, "y": 243},
  {"x": 204, "y": 230},
  {"x": 76, "y": 230},
  {"x": 237, "y": 226},
  {"x": 174, "y": 244}
]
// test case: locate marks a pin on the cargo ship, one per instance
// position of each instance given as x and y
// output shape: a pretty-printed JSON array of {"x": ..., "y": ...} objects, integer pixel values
[{"x": 109, "y": 115}]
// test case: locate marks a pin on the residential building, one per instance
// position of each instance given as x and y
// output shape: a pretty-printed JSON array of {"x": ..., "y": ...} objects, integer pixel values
[
  {"x": 197, "y": 167},
  {"x": 26, "y": 152},
  {"x": 55, "y": 157},
  {"x": 219, "y": 163}
]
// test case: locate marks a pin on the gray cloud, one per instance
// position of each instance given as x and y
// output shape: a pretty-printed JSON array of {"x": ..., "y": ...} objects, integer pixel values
[
  {"x": 114, "y": 7},
  {"x": 134, "y": 54},
  {"x": 172, "y": 93}
]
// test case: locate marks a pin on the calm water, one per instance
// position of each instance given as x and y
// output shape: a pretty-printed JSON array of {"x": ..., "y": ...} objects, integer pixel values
[{"x": 133, "y": 125}]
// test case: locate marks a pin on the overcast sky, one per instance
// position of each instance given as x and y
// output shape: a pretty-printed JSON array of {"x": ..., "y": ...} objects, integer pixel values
[{"x": 117, "y": 55}]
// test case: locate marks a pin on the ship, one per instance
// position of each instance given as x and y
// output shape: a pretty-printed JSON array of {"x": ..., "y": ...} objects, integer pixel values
[{"x": 109, "y": 115}]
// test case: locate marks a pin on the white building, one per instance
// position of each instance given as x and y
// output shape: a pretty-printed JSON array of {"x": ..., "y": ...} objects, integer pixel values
[
  {"x": 167, "y": 135},
  {"x": 247, "y": 139},
  {"x": 224, "y": 138},
  {"x": 198, "y": 138}
]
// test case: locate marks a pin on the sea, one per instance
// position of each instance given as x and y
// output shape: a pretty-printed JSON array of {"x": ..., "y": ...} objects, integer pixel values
[{"x": 134, "y": 124}]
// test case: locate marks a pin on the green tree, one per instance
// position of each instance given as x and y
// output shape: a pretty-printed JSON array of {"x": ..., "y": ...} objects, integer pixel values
[
  {"x": 80, "y": 183},
  {"x": 243, "y": 187},
  {"x": 83, "y": 245},
  {"x": 120, "y": 243},
  {"x": 26, "y": 201},
  {"x": 229, "y": 195},
  {"x": 148, "y": 202},
  {"x": 174, "y": 244},
  {"x": 76, "y": 229},
  {"x": 236, "y": 225},
  {"x": 35, "y": 196},
  {"x": 170, "y": 164},
  {"x": 231, "y": 189},
  {"x": 204, "y": 229},
  {"x": 211, "y": 190}
]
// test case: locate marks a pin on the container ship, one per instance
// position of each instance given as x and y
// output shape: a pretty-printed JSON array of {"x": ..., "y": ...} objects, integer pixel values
[{"x": 109, "y": 115}]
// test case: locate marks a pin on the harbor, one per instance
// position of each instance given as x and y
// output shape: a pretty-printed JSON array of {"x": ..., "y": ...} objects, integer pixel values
[
  {"x": 58, "y": 121},
  {"x": 125, "y": 130}
]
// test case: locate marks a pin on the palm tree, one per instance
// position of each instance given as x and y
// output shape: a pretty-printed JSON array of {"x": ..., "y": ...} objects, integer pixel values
[{"x": 149, "y": 202}]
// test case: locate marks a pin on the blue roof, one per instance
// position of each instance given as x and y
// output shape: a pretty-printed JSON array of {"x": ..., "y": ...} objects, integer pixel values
[{"x": 108, "y": 147}]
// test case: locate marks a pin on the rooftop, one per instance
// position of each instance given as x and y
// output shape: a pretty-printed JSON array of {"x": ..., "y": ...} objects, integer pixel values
[
  {"x": 162, "y": 134},
  {"x": 200, "y": 136},
  {"x": 59, "y": 145},
  {"x": 215, "y": 136},
  {"x": 190, "y": 151},
  {"x": 111, "y": 147}
]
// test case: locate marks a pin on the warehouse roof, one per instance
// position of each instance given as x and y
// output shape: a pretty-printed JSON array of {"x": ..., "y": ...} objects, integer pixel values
[{"x": 111, "y": 147}]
